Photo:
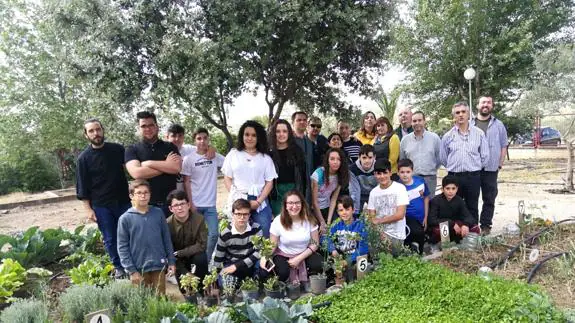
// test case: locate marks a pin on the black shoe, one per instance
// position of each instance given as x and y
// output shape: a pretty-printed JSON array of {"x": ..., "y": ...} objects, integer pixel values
[
  {"x": 119, "y": 273},
  {"x": 485, "y": 230}
]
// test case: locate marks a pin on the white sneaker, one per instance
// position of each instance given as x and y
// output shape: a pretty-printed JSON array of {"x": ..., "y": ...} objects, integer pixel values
[{"x": 172, "y": 280}]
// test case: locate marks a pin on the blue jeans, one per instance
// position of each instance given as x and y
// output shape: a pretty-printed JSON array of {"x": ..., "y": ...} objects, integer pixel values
[
  {"x": 107, "y": 219},
  {"x": 211, "y": 217},
  {"x": 264, "y": 219}
]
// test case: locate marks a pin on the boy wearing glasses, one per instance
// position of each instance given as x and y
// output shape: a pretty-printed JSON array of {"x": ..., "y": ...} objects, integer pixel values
[
  {"x": 144, "y": 242},
  {"x": 387, "y": 205},
  {"x": 235, "y": 253},
  {"x": 189, "y": 235}
]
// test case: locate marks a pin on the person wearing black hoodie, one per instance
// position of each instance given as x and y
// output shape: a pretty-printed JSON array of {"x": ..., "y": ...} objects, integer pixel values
[{"x": 362, "y": 171}]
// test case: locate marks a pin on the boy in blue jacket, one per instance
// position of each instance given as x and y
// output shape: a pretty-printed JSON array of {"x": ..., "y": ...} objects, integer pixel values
[
  {"x": 348, "y": 236},
  {"x": 144, "y": 242}
]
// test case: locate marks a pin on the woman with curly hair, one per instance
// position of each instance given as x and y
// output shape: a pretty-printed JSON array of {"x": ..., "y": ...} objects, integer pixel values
[
  {"x": 326, "y": 183},
  {"x": 249, "y": 173},
  {"x": 289, "y": 162}
]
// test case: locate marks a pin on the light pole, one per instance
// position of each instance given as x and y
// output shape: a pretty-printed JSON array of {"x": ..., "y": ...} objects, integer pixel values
[{"x": 469, "y": 75}]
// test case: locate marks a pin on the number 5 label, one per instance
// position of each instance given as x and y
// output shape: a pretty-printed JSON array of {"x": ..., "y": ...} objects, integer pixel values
[{"x": 361, "y": 266}]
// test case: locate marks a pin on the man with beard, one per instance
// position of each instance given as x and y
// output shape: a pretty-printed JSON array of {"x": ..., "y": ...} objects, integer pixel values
[
  {"x": 405, "y": 127},
  {"x": 299, "y": 125},
  {"x": 496, "y": 135},
  {"x": 464, "y": 151},
  {"x": 102, "y": 186},
  {"x": 157, "y": 161}
]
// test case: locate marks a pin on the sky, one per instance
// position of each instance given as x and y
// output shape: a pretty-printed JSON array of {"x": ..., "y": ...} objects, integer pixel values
[{"x": 248, "y": 106}]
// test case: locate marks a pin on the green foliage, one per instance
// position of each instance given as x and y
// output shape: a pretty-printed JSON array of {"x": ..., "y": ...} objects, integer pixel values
[
  {"x": 93, "y": 271},
  {"x": 210, "y": 282},
  {"x": 272, "y": 283},
  {"x": 189, "y": 282},
  {"x": 80, "y": 300},
  {"x": 437, "y": 40},
  {"x": 264, "y": 245},
  {"x": 26, "y": 311},
  {"x": 425, "y": 292},
  {"x": 387, "y": 103},
  {"x": 12, "y": 276},
  {"x": 188, "y": 309},
  {"x": 27, "y": 170},
  {"x": 249, "y": 284},
  {"x": 274, "y": 311},
  {"x": 220, "y": 143}
]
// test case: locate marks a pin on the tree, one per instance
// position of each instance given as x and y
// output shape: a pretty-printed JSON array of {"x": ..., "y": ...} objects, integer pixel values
[
  {"x": 387, "y": 102},
  {"x": 302, "y": 51},
  {"x": 439, "y": 39},
  {"x": 552, "y": 92}
]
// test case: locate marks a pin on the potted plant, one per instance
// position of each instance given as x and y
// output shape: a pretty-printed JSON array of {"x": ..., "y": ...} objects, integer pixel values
[
  {"x": 249, "y": 288},
  {"x": 211, "y": 289},
  {"x": 339, "y": 265},
  {"x": 190, "y": 283},
  {"x": 274, "y": 288},
  {"x": 229, "y": 283},
  {"x": 266, "y": 248},
  {"x": 294, "y": 290},
  {"x": 318, "y": 282}
]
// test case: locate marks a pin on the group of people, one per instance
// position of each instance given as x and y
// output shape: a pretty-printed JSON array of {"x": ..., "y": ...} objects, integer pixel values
[{"x": 290, "y": 184}]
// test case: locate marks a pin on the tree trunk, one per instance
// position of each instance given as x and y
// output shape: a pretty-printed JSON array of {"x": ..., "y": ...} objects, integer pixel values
[
  {"x": 229, "y": 138},
  {"x": 570, "y": 165}
]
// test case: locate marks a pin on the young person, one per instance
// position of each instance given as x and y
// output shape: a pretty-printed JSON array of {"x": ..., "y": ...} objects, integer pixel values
[
  {"x": 418, "y": 208},
  {"x": 144, "y": 242},
  {"x": 295, "y": 233},
  {"x": 450, "y": 207},
  {"x": 334, "y": 140},
  {"x": 326, "y": 183},
  {"x": 350, "y": 145},
  {"x": 363, "y": 172},
  {"x": 200, "y": 184},
  {"x": 154, "y": 160},
  {"x": 289, "y": 162},
  {"x": 189, "y": 236},
  {"x": 387, "y": 204},
  {"x": 249, "y": 173},
  {"x": 366, "y": 134},
  {"x": 235, "y": 253},
  {"x": 386, "y": 144},
  {"x": 348, "y": 237}
]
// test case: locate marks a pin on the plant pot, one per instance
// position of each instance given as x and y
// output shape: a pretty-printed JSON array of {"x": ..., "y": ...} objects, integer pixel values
[
  {"x": 192, "y": 299},
  {"x": 318, "y": 284},
  {"x": 293, "y": 291},
  {"x": 250, "y": 294},
  {"x": 275, "y": 293},
  {"x": 211, "y": 301}
]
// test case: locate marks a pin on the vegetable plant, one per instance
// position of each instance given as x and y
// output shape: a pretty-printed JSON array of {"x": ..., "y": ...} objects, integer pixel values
[
  {"x": 272, "y": 283},
  {"x": 190, "y": 282},
  {"x": 266, "y": 248},
  {"x": 249, "y": 284},
  {"x": 94, "y": 271},
  {"x": 274, "y": 310},
  {"x": 210, "y": 283},
  {"x": 12, "y": 276}
]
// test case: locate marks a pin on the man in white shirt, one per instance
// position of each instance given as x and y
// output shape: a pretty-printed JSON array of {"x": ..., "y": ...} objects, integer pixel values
[{"x": 200, "y": 183}]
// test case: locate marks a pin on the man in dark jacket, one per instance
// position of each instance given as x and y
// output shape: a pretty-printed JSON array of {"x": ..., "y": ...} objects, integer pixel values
[
  {"x": 449, "y": 207},
  {"x": 189, "y": 235}
]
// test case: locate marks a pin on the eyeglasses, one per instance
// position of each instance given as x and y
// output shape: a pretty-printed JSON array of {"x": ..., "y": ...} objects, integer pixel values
[
  {"x": 318, "y": 126},
  {"x": 242, "y": 215},
  {"x": 460, "y": 112},
  {"x": 141, "y": 193},
  {"x": 293, "y": 203},
  {"x": 178, "y": 205}
]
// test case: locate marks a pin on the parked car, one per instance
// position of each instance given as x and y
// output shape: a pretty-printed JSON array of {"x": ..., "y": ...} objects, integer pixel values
[{"x": 547, "y": 136}]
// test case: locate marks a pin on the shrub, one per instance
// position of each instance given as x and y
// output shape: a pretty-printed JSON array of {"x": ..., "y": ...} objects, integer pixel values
[
  {"x": 77, "y": 301},
  {"x": 31, "y": 172},
  {"x": 413, "y": 290},
  {"x": 25, "y": 311}
]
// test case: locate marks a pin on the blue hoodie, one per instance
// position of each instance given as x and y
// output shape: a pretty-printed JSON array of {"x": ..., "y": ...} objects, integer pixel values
[
  {"x": 340, "y": 232},
  {"x": 144, "y": 242}
]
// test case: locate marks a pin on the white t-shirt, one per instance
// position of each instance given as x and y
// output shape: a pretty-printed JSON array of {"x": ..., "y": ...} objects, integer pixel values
[
  {"x": 295, "y": 240},
  {"x": 184, "y": 151},
  {"x": 385, "y": 203},
  {"x": 247, "y": 170},
  {"x": 324, "y": 191},
  {"x": 203, "y": 174}
]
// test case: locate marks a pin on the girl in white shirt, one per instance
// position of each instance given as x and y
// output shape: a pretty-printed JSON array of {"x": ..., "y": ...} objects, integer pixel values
[
  {"x": 249, "y": 173},
  {"x": 295, "y": 233}
]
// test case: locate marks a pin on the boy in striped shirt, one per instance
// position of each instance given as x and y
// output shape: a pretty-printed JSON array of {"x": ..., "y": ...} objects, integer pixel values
[
  {"x": 235, "y": 254},
  {"x": 418, "y": 208}
]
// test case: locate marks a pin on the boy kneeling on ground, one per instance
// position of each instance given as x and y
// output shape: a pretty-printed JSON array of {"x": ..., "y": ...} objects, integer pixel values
[
  {"x": 348, "y": 236},
  {"x": 144, "y": 242},
  {"x": 386, "y": 206},
  {"x": 450, "y": 207},
  {"x": 235, "y": 253}
]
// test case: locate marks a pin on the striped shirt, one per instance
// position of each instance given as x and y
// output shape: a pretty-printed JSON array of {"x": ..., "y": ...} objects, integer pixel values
[
  {"x": 497, "y": 139},
  {"x": 236, "y": 248},
  {"x": 351, "y": 148},
  {"x": 423, "y": 152},
  {"x": 467, "y": 152}
]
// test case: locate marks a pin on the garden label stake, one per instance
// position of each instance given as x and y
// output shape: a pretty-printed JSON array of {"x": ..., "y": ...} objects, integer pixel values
[
  {"x": 444, "y": 229},
  {"x": 361, "y": 265}
]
